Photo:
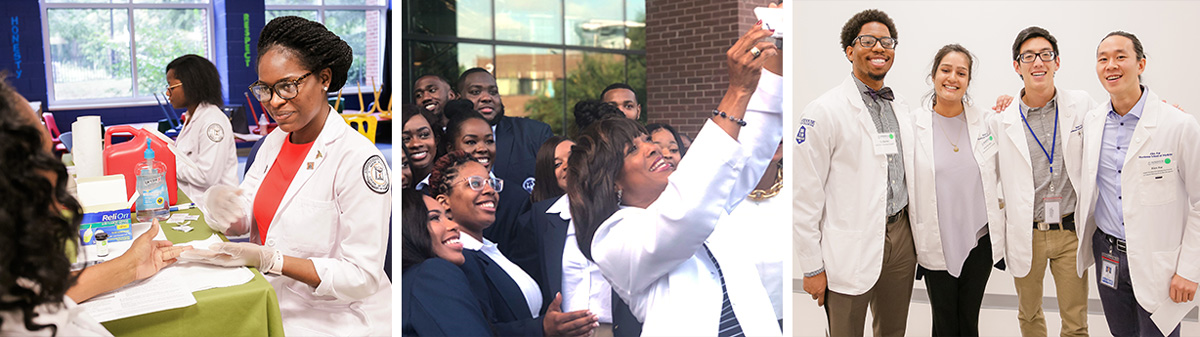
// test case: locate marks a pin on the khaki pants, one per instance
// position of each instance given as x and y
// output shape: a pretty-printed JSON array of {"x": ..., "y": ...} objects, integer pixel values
[
  {"x": 1058, "y": 248},
  {"x": 889, "y": 298}
]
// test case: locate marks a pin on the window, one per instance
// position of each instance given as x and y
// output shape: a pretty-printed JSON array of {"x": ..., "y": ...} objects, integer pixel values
[
  {"x": 109, "y": 52},
  {"x": 359, "y": 22}
]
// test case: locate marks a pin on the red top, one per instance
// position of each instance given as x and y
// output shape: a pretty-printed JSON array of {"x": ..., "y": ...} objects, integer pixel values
[{"x": 276, "y": 183}]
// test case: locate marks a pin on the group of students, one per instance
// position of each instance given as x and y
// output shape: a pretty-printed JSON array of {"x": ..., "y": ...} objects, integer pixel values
[
  {"x": 511, "y": 231},
  {"x": 316, "y": 202},
  {"x": 888, "y": 191}
]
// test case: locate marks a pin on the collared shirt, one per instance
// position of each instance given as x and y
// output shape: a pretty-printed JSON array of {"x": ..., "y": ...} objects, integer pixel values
[
  {"x": 1041, "y": 121},
  {"x": 423, "y": 185},
  {"x": 885, "y": 121},
  {"x": 1113, "y": 147},
  {"x": 529, "y": 287},
  {"x": 583, "y": 286}
]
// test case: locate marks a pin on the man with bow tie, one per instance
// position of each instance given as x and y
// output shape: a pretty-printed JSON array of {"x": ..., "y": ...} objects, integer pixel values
[{"x": 855, "y": 246}]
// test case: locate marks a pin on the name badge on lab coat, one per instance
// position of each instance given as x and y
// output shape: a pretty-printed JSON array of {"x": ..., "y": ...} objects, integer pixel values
[
  {"x": 987, "y": 145},
  {"x": 1157, "y": 168},
  {"x": 885, "y": 143}
]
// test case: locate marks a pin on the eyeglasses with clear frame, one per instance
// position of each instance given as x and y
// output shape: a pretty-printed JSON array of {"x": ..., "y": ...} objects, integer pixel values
[
  {"x": 172, "y": 86},
  {"x": 1045, "y": 55},
  {"x": 476, "y": 183},
  {"x": 868, "y": 41},
  {"x": 285, "y": 89}
]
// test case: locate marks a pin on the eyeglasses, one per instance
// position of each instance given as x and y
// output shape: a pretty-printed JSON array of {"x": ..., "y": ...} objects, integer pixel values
[
  {"x": 868, "y": 41},
  {"x": 285, "y": 89},
  {"x": 173, "y": 86},
  {"x": 1045, "y": 55},
  {"x": 476, "y": 183}
]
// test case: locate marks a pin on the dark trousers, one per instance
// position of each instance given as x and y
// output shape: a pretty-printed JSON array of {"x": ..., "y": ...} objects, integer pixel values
[
  {"x": 955, "y": 301},
  {"x": 1124, "y": 315}
]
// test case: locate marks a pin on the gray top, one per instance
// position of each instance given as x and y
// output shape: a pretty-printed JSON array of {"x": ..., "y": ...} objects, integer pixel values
[
  {"x": 1041, "y": 121},
  {"x": 885, "y": 121}
]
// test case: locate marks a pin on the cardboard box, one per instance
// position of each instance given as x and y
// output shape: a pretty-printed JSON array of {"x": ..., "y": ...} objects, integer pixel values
[{"x": 104, "y": 209}]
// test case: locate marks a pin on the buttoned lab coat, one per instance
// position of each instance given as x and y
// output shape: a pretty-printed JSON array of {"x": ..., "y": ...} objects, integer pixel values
[
  {"x": 207, "y": 140},
  {"x": 1016, "y": 171},
  {"x": 1161, "y": 209},
  {"x": 331, "y": 216},
  {"x": 654, "y": 257},
  {"x": 841, "y": 188},
  {"x": 923, "y": 209}
]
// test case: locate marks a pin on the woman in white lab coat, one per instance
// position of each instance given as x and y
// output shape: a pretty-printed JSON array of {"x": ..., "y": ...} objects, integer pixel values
[
  {"x": 646, "y": 227},
  {"x": 317, "y": 199},
  {"x": 207, "y": 156},
  {"x": 955, "y": 197}
]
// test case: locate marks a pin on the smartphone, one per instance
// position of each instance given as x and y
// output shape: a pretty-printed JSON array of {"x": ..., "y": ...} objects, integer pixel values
[{"x": 772, "y": 18}]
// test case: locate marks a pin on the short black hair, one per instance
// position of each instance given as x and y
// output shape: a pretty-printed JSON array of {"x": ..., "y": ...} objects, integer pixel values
[
  {"x": 462, "y": 78},
  {"x": 852, "y": 27},
  {"x": 1031, "y": 33},
  {"x": 618, "y": 85},
  {"x": 1137, "y": 44},
  {"x": 439, "y": 77},
  {"x": 201, "y": 83},
  {"x": 315, "y": 46}
]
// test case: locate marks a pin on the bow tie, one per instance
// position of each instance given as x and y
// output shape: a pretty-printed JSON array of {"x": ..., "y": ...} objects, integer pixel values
[{"x": 885, "y": 93}]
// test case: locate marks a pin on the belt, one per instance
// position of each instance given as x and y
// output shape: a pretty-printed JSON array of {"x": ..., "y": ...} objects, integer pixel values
[
  {"x": 1112, "y": 240},
  {"x": 896, "y": 217},
  {"x": 1067, "y": 223}
]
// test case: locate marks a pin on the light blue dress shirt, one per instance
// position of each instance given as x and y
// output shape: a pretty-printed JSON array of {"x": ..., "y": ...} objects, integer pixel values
[{"x": 1113, "y": 147}]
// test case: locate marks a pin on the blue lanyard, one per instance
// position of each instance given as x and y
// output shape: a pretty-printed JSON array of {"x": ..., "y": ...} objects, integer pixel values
[{"x": 1049, "y": 155}]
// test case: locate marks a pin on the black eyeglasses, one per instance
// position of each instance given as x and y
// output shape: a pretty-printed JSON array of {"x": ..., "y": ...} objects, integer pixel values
[
  {"x": 868, "y": 41},
  {"x": 1045, "y": 55},
  {"x": 285, "y": 89}
]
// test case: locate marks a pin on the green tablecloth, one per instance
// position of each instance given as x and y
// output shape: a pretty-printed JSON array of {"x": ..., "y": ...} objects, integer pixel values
[{"x": 250, "y": 309}]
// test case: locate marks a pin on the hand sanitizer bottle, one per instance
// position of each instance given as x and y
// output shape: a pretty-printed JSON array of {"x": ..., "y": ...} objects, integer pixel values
[{"x": 152, "y": 184}]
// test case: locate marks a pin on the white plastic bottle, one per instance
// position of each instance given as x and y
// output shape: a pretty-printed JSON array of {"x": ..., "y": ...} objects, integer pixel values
[{"x": 152, "y": 184}]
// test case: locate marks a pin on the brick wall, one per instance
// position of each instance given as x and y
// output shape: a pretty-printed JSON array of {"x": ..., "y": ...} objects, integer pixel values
[{"x": 685, "y": 57}]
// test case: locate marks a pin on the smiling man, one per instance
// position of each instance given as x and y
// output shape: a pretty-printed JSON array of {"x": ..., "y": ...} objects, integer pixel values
[
  {"x": 851, "y": 196},
  {"x": 1139, "y": 187},
  {"x": 1038, "y": 163},
  {"x": 431, "y": 92},
  {"x": 517, "y": 143}
]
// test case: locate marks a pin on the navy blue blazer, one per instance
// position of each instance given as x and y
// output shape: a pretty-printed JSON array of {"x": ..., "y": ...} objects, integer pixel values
[
  {"x": 435, "y": 305},
  {"x": 517, "y": 142},
  {"x": 552, "y": 232},
  {"x": 506, "y": 306}
]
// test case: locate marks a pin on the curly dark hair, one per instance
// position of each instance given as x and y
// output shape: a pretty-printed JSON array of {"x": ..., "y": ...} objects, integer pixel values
[
  {"x": 414, "y": 230},
  {"x": 316, "y": 47},
  {"x": 445, "y": 170},
  {"x": 546, "y": 184},
  {"x": 596, "y": 162},
  {"x": 33, "y": 232},
  {"x": 852, "y": 27},
  {"x": 589, "y": 111},
  {"x": 201, "y": 83},
  {"x": 678, "y": 140}
]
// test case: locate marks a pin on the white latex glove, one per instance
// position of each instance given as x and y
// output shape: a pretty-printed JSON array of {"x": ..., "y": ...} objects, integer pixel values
[
  {"x": 234, "y": 254},
  {"x": 225, "y": 207}
]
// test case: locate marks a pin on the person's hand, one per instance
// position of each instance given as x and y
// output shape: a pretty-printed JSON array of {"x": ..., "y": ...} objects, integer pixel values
[
  {"x": 148, "y": 257},
  {"x": 225, "y": 207},
  {"x": 815, "y": 286},
  {"x": 575, "y": 323},
  {"x": 744, "y": 67},
  {"x": 1002, "y": 103},
  {"x": 1182, "y": 290},
  {"x": 234, "y": 254}
]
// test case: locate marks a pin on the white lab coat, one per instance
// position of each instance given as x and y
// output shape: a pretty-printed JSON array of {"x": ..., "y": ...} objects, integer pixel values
[
  {"x": 329, "y": 215},
  {"x": 840, "y": 188},
  {"x": 1016, "y": 171},
  {"x": 207, "y": 140},
  {"x": 1162, "y": 216},
  {"x": 654, "y": 258},
  {"x": 923, "y": 208}
]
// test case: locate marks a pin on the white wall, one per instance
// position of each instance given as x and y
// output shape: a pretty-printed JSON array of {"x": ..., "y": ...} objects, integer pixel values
[{"x": 987, "y": 29}]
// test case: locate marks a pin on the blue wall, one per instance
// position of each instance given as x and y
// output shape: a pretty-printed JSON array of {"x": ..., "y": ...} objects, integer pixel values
[{"x": 238, "y": 23}]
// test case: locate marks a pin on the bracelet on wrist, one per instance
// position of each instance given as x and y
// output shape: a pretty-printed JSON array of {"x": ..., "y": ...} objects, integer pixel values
[{"x": 735, "y": 120}]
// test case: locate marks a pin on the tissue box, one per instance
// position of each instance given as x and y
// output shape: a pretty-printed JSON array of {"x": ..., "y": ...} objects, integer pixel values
[{"x": 104, "y": 208}]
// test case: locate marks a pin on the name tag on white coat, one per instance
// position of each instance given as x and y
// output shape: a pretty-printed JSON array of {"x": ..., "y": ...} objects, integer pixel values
[
  {"x": 1157, "y": 166},
  {"x": 885, "y": 143},
  {"x": 987, "y": 145}
]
